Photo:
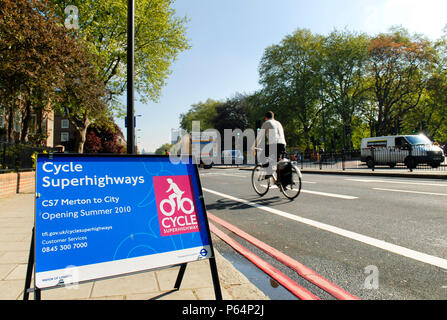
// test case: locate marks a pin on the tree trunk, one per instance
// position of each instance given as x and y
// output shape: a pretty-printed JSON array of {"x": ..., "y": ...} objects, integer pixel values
[
  {"x": 10, "y": 124},
  {"x": 82, "y": 127},
  {"x": 39, "y": 125},
  {"x": 81, "y": 140},
  {"x": 26, "y": 119}
]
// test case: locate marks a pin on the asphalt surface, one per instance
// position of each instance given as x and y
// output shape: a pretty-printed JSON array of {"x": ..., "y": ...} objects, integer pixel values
[{"x": 408, "y": 213}]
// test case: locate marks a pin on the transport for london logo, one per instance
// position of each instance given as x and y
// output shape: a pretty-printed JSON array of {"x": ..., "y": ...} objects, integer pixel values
[{"x": 176, "y": 210}]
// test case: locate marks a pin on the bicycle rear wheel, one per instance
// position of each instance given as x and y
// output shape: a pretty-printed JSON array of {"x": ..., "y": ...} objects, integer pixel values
[
  {"x": 292, "y": 190},
  {"x": 259, "y": 182}
]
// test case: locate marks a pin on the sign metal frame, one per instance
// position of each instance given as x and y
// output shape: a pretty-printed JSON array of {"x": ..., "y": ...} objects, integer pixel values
[{"x": 32, "y": 253}]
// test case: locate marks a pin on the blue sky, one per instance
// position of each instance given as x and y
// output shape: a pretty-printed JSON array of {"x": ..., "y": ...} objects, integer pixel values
[{"x": 228, "y": 38}]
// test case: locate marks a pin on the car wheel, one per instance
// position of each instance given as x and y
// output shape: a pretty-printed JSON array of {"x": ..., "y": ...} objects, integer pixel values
[{"x": 435, "y": 165}]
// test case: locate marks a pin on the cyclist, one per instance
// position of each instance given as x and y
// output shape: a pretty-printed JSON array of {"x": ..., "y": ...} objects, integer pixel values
[{"x": 276, "y": 142}]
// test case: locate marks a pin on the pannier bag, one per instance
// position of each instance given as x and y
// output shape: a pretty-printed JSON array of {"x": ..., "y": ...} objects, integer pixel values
[{"x": 285, "y": 172}]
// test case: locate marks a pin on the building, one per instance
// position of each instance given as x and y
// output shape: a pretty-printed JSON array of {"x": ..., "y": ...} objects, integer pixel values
[
  {"x": 64, "y": 133},
  {"x": 46, "y": 122},
  {"x": 56, "y": 131}
]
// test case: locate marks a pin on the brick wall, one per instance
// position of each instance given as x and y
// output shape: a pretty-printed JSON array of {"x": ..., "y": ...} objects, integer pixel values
[
  {"x": 26, "y": 182},
  {"x": 8, "y": 184},
  {"x": 12, "y": 183}
]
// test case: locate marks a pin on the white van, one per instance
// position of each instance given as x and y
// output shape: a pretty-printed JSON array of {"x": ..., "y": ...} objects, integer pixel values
[{"x": 410, "y": 150}]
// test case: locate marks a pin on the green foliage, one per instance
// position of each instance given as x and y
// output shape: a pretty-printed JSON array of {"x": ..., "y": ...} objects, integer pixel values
[
  {"x": 159, "y": 38},
  {"x": 290, "y": 75},
  {"x": 82, "y": 72},
  {"x": 34, "y": 157},
  {"x": 162, "y": 148},
  {"x": 205, "y": 112},
  {"x": 332, "y": 91},
  {"x": 344, "y": 68},
  {"x": 44, "y": 68},
  {"x": 230, "y": 115},
  {"x": 399, "y": 66}
]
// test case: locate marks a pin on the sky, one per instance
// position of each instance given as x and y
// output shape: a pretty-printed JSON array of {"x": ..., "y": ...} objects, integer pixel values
[{"x": 228, "y": 39}]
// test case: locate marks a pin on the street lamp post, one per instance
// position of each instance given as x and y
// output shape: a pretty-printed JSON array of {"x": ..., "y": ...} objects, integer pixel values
[{"x": 130, "y": 77}]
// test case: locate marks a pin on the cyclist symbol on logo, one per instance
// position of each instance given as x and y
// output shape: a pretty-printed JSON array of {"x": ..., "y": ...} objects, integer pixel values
[{"x": 176, "y": 194}]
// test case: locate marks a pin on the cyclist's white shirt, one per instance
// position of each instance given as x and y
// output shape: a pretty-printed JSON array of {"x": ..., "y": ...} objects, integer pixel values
[{"x": 274, "y": 131}]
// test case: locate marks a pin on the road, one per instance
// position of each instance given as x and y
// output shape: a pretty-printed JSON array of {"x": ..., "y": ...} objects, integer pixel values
[{"x": 378, "y": 238}]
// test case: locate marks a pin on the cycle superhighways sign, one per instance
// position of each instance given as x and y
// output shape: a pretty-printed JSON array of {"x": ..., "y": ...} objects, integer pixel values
[{"x": 102, "y": 216}]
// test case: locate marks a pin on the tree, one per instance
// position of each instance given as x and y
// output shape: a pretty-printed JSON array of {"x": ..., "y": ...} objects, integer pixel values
[
  {"x": 430, "y": 115},
  {"x": 159, "y": 38},
  {"x": 398, "y": 68},
  {"x": 104, "y": 140},
  {"x": 34, "y": 50},
  {"x": 83, "y": 99},
  {"x": 93, "y": 143},
  {"x": 344, "y": 65},
  {"x": 161, "y": 150},
  {"x": 289, "y": 73},
  {"x": 254, "y": 107},
  {"x": 230, "y": 115},
  {"x": 205, "y": 112},
  {"x": 46, "y": 68}
]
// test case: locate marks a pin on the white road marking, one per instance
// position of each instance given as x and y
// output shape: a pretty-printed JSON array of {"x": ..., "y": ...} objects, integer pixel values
[
  {"x": 409, "y": 253},
  {"x": 225, "y": 174},
  {"x": 333, "y": 195},
  {"x": 232, "y": 175},
  {"x": 400, "y": 182},
  {"x": 409, "y": 191}
]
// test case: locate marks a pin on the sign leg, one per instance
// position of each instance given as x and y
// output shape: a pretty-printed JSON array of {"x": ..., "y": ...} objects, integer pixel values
[
  {"x": 29, "y": 270},
  {"x": 181, "y": 272},
  {"x": 36, "y": 294},
  {"x": 215, "y": 276}
]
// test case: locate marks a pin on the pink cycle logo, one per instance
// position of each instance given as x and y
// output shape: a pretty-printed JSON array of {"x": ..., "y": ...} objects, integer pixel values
[{"x": 175, "y": 204}]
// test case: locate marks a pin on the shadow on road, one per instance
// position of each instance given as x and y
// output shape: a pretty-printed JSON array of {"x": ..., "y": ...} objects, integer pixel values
[{"x": 227, "y": 204}]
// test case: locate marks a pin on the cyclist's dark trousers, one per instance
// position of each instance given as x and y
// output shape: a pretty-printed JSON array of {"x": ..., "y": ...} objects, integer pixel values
[{"x": 272, "y": 150}]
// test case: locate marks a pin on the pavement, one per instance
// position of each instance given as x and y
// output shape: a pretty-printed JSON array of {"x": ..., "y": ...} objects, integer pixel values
[{"x": 16, "y": 222}]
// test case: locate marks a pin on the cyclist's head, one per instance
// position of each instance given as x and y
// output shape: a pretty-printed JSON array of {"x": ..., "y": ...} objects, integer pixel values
[
  {"x": 169, "y": 180},
  {"x": 269, "y": 115}
]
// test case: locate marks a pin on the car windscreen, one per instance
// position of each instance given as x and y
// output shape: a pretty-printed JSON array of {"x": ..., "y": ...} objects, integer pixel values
[{"x": 420, "y": 139}]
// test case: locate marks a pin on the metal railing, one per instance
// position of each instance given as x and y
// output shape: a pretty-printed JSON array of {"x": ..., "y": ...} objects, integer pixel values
[{"x": 411, "y": 158}]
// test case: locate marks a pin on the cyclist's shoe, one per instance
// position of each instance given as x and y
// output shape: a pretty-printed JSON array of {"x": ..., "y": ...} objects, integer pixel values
[{"x": 268, "y": 176}]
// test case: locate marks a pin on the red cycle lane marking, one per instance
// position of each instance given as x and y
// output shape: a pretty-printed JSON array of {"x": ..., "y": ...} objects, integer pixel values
[
  {"x": 302, "y": 270},
  {"x": 284, "y": 280}
]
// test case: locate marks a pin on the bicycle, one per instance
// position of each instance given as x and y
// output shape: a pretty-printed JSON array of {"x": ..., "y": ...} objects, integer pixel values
[{"x": 261, "y": 184}]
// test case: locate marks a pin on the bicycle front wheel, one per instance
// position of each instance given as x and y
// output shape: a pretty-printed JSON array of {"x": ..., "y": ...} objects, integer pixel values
[
  {"x": 293, "y": 189},
  {"x": 259, "y": 182}
]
